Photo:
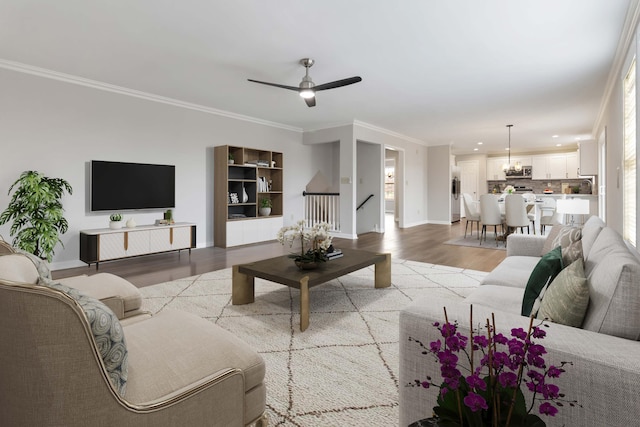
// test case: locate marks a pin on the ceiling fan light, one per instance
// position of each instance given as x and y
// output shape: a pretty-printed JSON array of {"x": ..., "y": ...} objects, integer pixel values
[{"x": 307, "y": 93}]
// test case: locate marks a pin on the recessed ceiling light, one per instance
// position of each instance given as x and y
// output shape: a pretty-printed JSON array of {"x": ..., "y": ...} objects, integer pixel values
[
  {"x": 555, "y": 136},
  {"x": 480, "y": 143},
  {"x": 578, "y": 138},
  {"x": 558, "y": 145},
  {"x": 507, "y": 148},
  {"x": 475, "y": 149}
]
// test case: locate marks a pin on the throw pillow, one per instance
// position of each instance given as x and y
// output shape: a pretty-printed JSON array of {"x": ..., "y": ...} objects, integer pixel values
[
  {"x": 548, "y": 242},
  {"x": 547, "y": 269},
  {"x": 41, "y": 265},
  {"x": 567, "y": 298},
  {"x": 107, "y": 332},
  {"x": 570, "y": 239},
  {"x": 538, "y": 301}
]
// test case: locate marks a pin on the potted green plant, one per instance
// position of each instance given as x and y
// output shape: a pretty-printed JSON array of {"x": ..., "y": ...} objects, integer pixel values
[
  {"x": 36, "y": 211},
  {"x": 115, "y": 221},
  {"x": 231, "y": 160},
  {"x": 265, "y": 207}
]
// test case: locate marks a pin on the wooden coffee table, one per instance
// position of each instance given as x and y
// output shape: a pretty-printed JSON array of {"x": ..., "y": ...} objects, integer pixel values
[{"x": 283, "y": 270}]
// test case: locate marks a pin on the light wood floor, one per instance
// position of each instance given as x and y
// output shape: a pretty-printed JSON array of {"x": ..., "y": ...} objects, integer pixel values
[{"x": 422, "y": 243}]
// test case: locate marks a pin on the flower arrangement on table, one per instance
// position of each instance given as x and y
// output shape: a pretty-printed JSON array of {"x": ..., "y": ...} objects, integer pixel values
[
  {"x": 509, "y": 189},
  {"x": 489, "y": 394},
  {"x": 314, "y": 241}
]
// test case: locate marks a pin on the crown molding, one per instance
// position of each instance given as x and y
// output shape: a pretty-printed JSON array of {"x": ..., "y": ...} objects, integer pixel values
[
  {"x": 626, "y": 38},
  {"x": 389, "y": 132},
  {"x": 81, "y": 81}
]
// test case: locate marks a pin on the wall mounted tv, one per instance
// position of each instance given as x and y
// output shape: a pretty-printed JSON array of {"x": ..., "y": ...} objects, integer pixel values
[{"x": 120, "y": 186}]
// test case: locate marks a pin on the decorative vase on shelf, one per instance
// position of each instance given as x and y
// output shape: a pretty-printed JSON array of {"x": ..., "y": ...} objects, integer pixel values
[
  {"x": 265, "y": 211},
  {"x": 131, "y": 223},
  {"x": 245, "y": 196}
]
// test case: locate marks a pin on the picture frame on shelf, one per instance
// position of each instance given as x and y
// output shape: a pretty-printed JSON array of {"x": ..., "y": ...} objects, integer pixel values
[{"x": 233, "y": 198}]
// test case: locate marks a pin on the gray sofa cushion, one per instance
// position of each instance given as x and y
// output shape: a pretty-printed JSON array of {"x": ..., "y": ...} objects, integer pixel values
[
  {"x": 614, "y": 287},
  {"x": 590, "y": 232},
  {"x": 502, "y": 298},
  {"x": 514, "y": 271}
]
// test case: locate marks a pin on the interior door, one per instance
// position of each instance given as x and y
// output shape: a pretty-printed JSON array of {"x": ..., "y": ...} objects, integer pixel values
[{"x": 469, "y": 170}]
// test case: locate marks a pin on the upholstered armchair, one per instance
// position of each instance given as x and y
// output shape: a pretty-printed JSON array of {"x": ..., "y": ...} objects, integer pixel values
[{"x": 66, "y": 360}]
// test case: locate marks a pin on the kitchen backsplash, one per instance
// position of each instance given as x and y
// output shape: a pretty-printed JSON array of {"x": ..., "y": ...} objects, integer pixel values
[{"x": 538, "y": 187}]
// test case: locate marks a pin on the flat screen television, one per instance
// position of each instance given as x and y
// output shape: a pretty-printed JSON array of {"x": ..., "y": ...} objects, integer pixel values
[{"x": 120, "y": 186}]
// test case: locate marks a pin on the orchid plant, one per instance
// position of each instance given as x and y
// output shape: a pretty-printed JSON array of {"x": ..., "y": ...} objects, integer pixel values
[
  {"x": 314, "y": 241},
  {"x": 489, "y": 393}
]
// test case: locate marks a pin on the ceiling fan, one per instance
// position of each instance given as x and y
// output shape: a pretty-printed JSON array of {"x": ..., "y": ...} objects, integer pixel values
[{"x": 307, "y": 88}]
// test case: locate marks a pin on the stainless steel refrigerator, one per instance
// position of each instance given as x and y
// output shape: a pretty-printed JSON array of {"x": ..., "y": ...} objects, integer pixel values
[{"x": 455, "y": 198}]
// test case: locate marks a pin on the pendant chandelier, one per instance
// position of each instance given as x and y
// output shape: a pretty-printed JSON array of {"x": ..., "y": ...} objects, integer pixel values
[{"x": 507, "y": 166}]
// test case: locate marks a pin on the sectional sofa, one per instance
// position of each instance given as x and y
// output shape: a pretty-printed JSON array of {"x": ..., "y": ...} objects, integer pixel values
[{"x": 604, "y": 351}]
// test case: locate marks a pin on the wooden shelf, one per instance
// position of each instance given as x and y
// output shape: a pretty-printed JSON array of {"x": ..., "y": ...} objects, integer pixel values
[{"x": 259, "y": 173}]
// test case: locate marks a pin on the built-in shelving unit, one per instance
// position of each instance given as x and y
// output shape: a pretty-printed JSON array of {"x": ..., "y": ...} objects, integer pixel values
[{"x": 259, "y": 175}]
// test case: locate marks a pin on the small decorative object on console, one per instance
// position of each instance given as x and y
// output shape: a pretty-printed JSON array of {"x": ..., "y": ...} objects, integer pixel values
[
  {"x": 488, "y": 393},
  {"x": 115, "y": 221},
  {"x": 509, "y": 189}
]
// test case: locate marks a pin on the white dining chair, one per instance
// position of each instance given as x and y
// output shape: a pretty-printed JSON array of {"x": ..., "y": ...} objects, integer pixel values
[
  {"x": 516, "y": 213},
  {"x": 490, "y": 215},
  {"x": 548, "y": 215},
  {"x": 471, "y": 214}
]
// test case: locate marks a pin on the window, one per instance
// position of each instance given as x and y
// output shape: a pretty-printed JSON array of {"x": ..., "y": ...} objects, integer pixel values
[{"x": 629, "y": 156}]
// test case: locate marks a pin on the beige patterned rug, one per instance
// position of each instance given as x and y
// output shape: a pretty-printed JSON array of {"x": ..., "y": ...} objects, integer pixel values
[{"x": 343, "y": 370}]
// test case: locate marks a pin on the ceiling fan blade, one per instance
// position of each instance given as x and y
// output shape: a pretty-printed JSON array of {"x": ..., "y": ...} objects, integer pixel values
[
  {"x": 338, "y": 83},
  {"x": 311, "y": 102},
  {"x": 297, "y": 89}
]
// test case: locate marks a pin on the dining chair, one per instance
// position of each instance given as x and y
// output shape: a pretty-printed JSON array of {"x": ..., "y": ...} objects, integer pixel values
[
  {"x": 471, "y": 214},
  {"x": 490, "y": 215},
  {"x": 530, "y": 200},
  {"x": 548, "y": 215},
  {"x": 516, "y": 213}
]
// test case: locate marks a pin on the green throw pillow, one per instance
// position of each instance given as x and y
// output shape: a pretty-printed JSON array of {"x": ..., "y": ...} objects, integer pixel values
[
  {"x": 567, "y": 298},
  {"x": 547, "y": 269}
]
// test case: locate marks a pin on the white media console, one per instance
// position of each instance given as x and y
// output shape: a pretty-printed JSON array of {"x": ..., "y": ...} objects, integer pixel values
[{"x": 105, "y": 244}]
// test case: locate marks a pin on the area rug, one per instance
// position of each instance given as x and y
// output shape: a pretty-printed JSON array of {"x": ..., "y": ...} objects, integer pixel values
[
  {"x": 473, "y": 242},
  {"x": 341, "y": 371}
]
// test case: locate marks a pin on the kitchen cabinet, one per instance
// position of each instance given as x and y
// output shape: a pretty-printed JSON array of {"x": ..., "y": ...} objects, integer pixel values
[
  {"x": 572, "y": 165},
  {"x": 494, "y": 169},
  {"x": 555, "y": 166},
  {"x": 588, "y": 158}
]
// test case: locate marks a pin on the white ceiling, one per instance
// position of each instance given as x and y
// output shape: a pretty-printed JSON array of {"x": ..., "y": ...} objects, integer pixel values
[{"x": 438, "y": 71}]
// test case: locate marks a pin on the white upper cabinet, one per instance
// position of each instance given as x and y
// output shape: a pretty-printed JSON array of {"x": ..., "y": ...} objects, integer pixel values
[
  {"x": 572, "y": 165},
  {"x": 555, "y": 166},
  {"x": 494, "y": 169},
  {"x": 588, "y": 158}
]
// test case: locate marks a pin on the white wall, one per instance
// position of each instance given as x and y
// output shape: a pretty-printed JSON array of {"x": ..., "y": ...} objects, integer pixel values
[
  {"x": 56, "y": 128},
  {"x": 411, "y": 173},
  {"x": 439, "y": 184},
  {"x": 370, "y": 181}
]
